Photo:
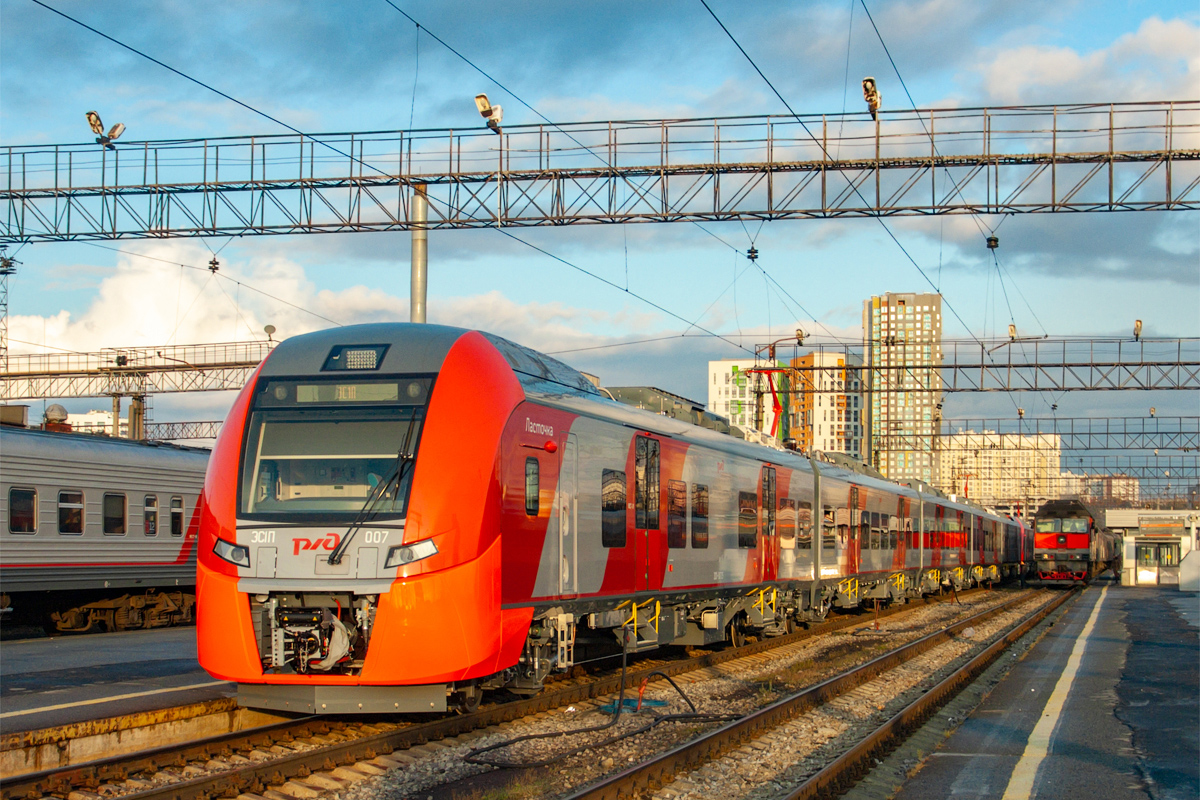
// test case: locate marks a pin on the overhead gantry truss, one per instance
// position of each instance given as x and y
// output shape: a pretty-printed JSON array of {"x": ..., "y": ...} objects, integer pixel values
[
  {"x": 1007, "y": 160},
  {"x": 132, "y": 371},
  {"x": 1003, "y": 365},
  {"x": 1053, "y": 435}
]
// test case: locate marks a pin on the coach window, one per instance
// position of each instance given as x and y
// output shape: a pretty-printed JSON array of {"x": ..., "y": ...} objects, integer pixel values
[
  {"x": 612, "y": 516},
  {"x": 874, "y": 530},
  {"x": 150, "y": 515},
  {"x": 804, "y": 524},
  {"x": 864, "y": 530},
  {"x": 787, "y": 523},
  {"x": 177, "y": 516},
  {"x": 114, "y": 514},
  {"x": 22, "y": 510},
  {"x": 676, "y": 514},
  {"x": 646, "y": 483},
  {"x": 891, "y": 523},
  {"x": 531, "y": 486},
  {"x": 70, "y": 512},
  {"x": 828, "y": 537},
  {"x": 928, "y": 524},
  {"x": 747, "y": 519},
  {"x": 699, "y": 516}
]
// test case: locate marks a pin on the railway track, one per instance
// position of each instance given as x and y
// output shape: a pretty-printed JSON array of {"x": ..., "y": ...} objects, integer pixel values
[
  {"x": 653, "y": 774},
  {"x": 298, "y": 755}
]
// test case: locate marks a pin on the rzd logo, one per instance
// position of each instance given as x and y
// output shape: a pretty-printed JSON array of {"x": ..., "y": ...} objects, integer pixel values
[{"x": 329, "y": 541}]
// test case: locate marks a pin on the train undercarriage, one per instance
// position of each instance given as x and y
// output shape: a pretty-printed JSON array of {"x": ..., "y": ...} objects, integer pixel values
[
  {"x": 100, "y": 612},
  {"x": 328, "y": 634}
]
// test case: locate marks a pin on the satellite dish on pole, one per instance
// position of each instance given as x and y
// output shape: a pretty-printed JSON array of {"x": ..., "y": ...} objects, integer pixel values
[{"x": 270, "y": 331}]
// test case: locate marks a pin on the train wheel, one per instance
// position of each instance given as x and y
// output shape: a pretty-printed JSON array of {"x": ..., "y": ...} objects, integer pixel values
[
  {"x": 737, "y": 637},
  {"x": 468, "y": 700}
]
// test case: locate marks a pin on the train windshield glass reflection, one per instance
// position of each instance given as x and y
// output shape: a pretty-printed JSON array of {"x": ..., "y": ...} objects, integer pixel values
[{"x": 323, "y": 452}]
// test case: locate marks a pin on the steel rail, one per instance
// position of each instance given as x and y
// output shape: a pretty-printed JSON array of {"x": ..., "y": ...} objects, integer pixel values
[
  {"x": 253, "y": 777},
  {"x": 845, "y": 771},
  {"x": 659, "y": 770}
]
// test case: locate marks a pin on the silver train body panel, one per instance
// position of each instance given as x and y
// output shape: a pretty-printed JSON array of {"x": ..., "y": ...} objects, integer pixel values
[{"x": 55, "y": 466}]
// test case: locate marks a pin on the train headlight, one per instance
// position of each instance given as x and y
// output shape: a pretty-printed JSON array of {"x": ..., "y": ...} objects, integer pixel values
[
  {"x": 403, "y": 554},
  {"x": 233, "y": 553}
]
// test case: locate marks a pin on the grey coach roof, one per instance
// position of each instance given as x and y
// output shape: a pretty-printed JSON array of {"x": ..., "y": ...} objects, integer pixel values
[{"x": 423, "y": 347}]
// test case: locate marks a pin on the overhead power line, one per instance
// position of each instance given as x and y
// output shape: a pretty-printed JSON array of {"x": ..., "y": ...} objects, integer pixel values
[{"x": 373, "y": 168}]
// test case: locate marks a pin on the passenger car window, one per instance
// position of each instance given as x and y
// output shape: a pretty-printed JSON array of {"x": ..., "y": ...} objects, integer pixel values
[
  {"x": 70, "y": 512},
  {"x": 676, "y": 514},
  {"x": 699, "y": 516},
  {"x": 612, "y": 515},
  {"x": 804, "y": 523},
  {"x": 177, "y": 516},
  {"x": 22, "y": 510},
  {"x": 150, "y": 515},
  {"x": 114, "y": 513},
  {"x": 787, "y": 523},
  {"x": 747, "y": 519}
]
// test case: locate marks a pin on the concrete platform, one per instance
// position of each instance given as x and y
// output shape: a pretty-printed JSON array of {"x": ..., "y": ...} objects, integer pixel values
[
  {"x": 1106, "y": 705},
  {"x": 70, "y": 679}
]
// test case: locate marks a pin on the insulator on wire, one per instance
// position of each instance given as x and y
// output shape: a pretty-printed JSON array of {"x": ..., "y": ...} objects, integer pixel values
[
  {"x": 993, "y": 242},
  {"x": 752, "y": 253}
]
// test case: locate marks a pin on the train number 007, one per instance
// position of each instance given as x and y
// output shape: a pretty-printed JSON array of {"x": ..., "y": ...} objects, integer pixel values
[{"x": 375, "y": 537}]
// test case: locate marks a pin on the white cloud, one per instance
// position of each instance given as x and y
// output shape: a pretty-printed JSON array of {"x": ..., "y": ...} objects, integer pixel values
[{"x": 1158, "y": 61}]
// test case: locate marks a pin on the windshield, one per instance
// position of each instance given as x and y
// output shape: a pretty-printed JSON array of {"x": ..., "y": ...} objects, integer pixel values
[
  {"x": 1075, "y": 525},
  {"x": 1051, "y": 525},
  {"x": 309, "y": 461}
]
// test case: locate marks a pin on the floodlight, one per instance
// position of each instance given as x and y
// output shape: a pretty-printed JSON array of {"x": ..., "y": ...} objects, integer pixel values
[
  {"x": 98, "y": 128},
  {"x": 493, "y": 114},
  {"x": 1137, "y": 329},
  {"x": 872, "y": 96},
  {"x": 1012, "y": 331}
]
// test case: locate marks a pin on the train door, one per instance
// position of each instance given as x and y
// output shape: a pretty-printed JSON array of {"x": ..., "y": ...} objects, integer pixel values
[
  {"x": 649, "y": 560},
  {"x": 1157, "y": 563},
  {"x": 853, "y": 540},
  {"x": 770, "y": 541},
  {"x": 568, "y": 518}
]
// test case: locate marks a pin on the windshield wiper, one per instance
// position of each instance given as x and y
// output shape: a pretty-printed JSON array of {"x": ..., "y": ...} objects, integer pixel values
[{"x": 404, "y": 461}]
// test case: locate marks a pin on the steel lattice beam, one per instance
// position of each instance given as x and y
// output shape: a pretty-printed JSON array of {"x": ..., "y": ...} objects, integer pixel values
[
  {"x": 173, "y": 431},
  {"x": 1029, "y": 159},
  {"x": 133, "y": 371},
  {"x": 1050, "y": 434}
]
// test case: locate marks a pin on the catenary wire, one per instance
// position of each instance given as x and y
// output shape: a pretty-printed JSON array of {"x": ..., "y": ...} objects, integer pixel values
[
  {"x": 852, "y": 185},
  {"x": 346, "y": 155}
]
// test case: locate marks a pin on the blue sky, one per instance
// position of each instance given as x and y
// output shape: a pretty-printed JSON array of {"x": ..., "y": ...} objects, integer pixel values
[{"x": 323, "y": 67}]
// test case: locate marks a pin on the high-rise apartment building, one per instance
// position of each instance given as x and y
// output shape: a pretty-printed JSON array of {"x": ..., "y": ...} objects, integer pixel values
[
  {"x": 731, "y": 393},
  {"x": 902, "y": 350},
  {"x": 827, "y": 410},
  {"x": 1003, "y": 469}
]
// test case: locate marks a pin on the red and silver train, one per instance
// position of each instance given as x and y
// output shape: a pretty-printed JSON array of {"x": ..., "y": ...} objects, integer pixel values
[
  {"x": 1070, "y": 546},
  {"x": 396, "y": 517},
  {"x": 98, "y": 533}
]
